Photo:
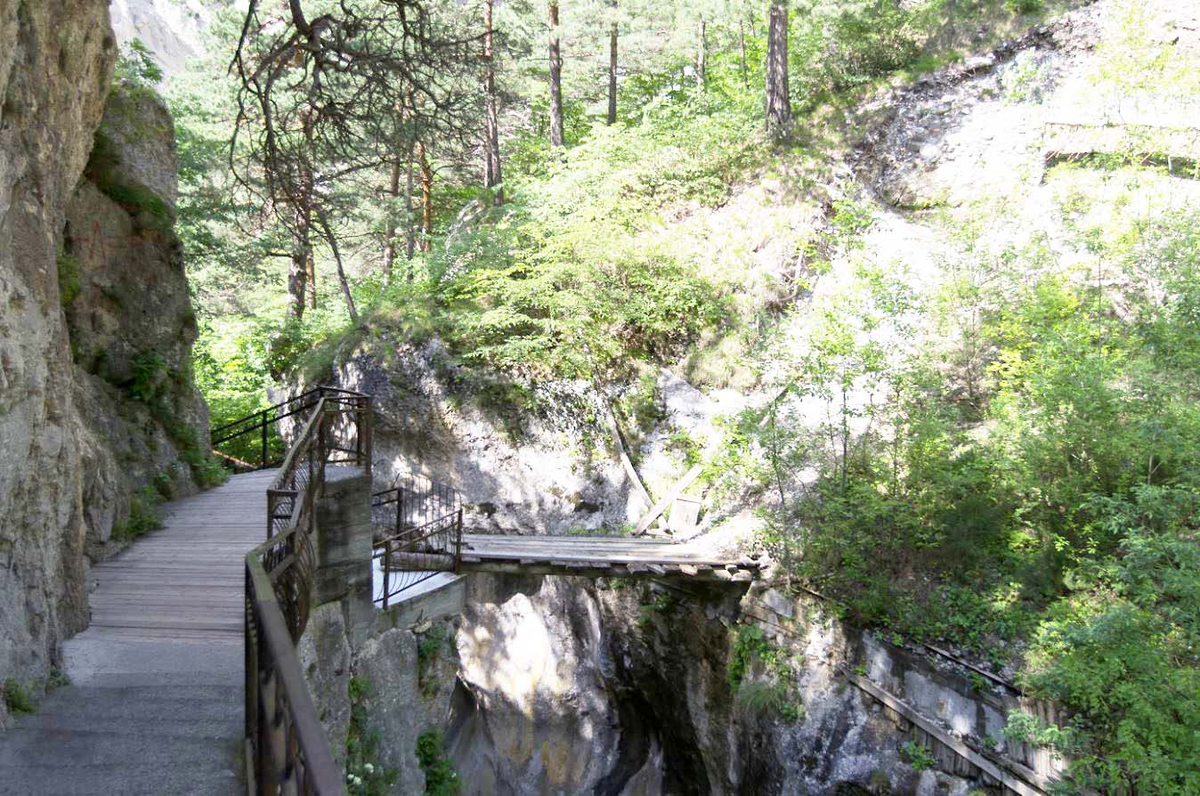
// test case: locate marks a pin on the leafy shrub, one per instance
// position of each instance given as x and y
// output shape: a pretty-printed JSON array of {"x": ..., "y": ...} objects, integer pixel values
[
  {"x": 17, "y": 698},
  {"x": 364, "y": 775},
  {"x": 918, "y": 756},
  {"x": 68, "y": 278},
  {"x": 1119, "y": 652},
  {"x": 149, "y": 377},
  {"x": 773, "y": 695},
  {"x": 440, "y": 777},
  {"x": 1025, "y": 6},
  {"x": 769, "y": 699},
  {"x": 143, "y": 517},
  {"x": 136, "y": 65}
]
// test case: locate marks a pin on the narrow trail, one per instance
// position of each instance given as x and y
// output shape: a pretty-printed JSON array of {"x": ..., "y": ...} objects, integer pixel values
[{"x": 155, "y": 700}]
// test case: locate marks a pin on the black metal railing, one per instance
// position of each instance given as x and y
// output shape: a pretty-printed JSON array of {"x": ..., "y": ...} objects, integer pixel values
[
  {"x": 258, "y": 441},
  {"x": 287, "y": 750},
  {"x": 418, "y": 533}
]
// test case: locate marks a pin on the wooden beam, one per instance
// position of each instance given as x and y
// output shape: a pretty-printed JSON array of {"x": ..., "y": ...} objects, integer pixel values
[
  {"x": 675, "y": 491},
  {"x": 615, "y": 430},
  {"x": 1004, "y": 775}
]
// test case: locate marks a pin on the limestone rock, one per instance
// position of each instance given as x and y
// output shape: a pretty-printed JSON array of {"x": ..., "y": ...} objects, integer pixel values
[
  {"x": 85, "y": 270},
  {"x": 387, "y": 665},
  {"x": 55, "y": 66},
  {"x": 324, "y": 652}
]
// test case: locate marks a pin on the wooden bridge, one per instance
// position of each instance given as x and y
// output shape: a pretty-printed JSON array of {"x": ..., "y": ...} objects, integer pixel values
[
  {"x": 599, "y": 556},
  {"x": 419, "y": 533},
  {"x": 195, "y": 621}
]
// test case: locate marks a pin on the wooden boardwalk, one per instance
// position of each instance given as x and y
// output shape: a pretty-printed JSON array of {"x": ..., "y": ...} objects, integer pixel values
[
  {"x": 600, "y": 556},
  {"x": 156, "y": 698},
  {"x": 184, "y": 582}
]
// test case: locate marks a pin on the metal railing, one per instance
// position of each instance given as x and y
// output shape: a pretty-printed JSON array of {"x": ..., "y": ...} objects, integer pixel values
[
  {"x": 256, "y": 442},
  {"x": 286, "y": 748},
  {"x": 418, "y": 532}
]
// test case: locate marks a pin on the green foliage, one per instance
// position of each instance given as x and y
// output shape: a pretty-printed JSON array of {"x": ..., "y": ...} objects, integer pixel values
[
  {"x": 773, "y": 693},
  {"x": 918, "y": 756},
  {"x": 440, "y": 777},
  {"x": 842, "y": 45},
  {"x": 364, "y": 775},
  {"x": 137, "y": 66},
  {"x": 56, "y": 680},
  {"x": 17, "y": 698},
  {"x": 68, "y": 278},
  {"x": 1120, "y": 651},
  {"x": 749, "y": 643},
  {"x": 143, "y": 517},
  {"x": 767, "y": 699},
  {"x": 149, "y": 377},
  {"x": 660, "y": 604},
  {"x": 1046, "y": 489},
  {"x": 429, "y": 648},
  {"x": 1024, "y": 6}
]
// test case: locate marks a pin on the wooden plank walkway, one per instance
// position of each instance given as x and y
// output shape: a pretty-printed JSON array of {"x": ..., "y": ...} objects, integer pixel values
[
  {"x": 185, "y": 581},
  {"x": 156, "y": 698},
  {"x": 600, "y": 556}
]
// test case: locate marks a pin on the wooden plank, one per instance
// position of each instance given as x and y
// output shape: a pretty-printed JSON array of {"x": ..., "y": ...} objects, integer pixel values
[
  {"x": 1002, "y": 774},
  {"x": 615, "y": 430},
  {"x": 684, "y": 515},
  {"x": 674, "y": 492}
]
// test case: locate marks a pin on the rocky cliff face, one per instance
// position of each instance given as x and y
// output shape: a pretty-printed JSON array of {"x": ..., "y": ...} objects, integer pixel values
[
  {"x": 625, "y": 688},
  {"x": 95, "y": 328}
]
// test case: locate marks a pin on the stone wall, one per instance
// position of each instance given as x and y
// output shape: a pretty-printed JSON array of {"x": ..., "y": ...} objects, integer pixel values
[{"x": 94, "y": 308}]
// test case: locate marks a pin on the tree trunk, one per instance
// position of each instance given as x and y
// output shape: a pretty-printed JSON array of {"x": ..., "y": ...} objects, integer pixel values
[
  {"x": 701, "y": 52},
  {"x": 612, "y": 67},
  {"x": 410, "y": 232},
  {"x": 302, "y": 256},
  {"x": 311, "y": 266},
  {"x": 556, "y": 109},
  {"x": 341, "y": 272},
  {"x": 426, "y": 197},
  {"x": 297, "y": 283},
  {"x": 779, "y": 104},
  {"x": 389, "y": 232},
  {"x": 742, "y": 41},
  {"x": 491, "y": 121}
]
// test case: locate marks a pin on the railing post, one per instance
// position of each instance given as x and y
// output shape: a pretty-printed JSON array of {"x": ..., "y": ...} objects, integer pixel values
[
  {"x": 458, "y": 542},
  {"x": 264, "y": 440},
  {"x": 250, "y": 678},
  {"x": 387, "y": 570},
  {"x": 369, "y": 446}
]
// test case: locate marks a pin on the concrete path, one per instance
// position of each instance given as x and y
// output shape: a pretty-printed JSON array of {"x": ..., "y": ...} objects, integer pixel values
[{"x": 156, "y": 699}]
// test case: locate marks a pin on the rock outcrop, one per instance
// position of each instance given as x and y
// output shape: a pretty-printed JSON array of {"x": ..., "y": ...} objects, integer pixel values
[
  {"x": 629, "y": 688},
  {"x": 96, "y": 329}
]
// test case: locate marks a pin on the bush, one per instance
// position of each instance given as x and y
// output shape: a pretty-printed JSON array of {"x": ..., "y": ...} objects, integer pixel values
[
  {"x": 68, "y": 278},
  {"x": 917, "y": 756},
  {"x": 17, "y": 698},
  {"x": 440, "y": 777},
  {"x": 143, "y": 517},
  {"x": 1025, "y": 6},
  {"x": 364, "y": 775}
]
